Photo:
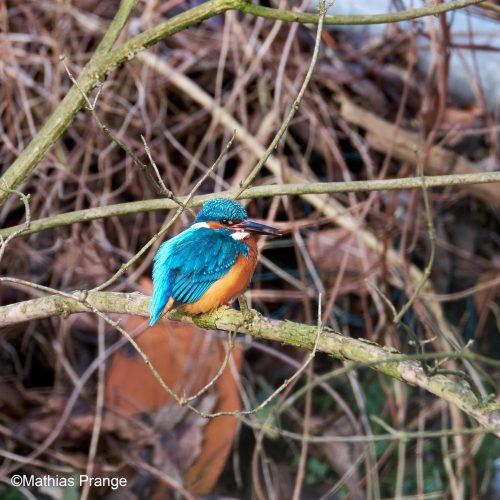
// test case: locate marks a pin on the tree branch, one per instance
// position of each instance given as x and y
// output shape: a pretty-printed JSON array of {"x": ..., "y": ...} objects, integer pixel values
[
  {"x": 97, "y": 70},
  {"x": 105, "y": 60},
  {"x": 382, "y": 359},
  {"x": 90, "y": 214},
  {"x": 390, "y": 17},
  {"x": 384, "y": 136}
]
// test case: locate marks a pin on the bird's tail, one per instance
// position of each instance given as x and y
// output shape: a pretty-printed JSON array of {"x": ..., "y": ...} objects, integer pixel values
[{"x": 160, "y": 302}]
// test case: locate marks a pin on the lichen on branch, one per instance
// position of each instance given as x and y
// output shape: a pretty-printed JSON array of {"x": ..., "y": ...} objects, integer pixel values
[{"x": 359, "y": 352}]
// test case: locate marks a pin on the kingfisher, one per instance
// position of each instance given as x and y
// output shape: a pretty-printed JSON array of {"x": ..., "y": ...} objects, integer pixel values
[{"x": 210, "y": 263}]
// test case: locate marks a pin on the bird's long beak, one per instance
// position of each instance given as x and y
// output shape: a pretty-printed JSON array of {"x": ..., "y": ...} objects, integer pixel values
[{"x": 256, "y": 227}]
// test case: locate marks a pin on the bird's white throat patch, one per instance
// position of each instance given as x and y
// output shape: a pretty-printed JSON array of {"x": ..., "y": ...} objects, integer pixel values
[{"x": 239, "y": 235}]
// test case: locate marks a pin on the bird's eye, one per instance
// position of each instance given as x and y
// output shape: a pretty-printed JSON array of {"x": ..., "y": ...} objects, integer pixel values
[{"x": 227, "y": 222}]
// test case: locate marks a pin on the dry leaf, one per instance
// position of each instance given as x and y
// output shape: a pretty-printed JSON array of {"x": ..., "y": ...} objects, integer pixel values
[{"x": 187, "y": 358}]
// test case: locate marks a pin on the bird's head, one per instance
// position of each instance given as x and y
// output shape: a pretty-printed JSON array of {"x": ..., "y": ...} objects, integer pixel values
[{"x": 229, "y": 214}]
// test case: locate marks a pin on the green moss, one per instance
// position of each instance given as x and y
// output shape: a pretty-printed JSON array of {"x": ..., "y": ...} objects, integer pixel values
[{"x": 490, "y": 407}]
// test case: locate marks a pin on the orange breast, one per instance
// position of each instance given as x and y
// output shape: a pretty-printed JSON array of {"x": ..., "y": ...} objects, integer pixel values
[{"x": 230, "y": 285}]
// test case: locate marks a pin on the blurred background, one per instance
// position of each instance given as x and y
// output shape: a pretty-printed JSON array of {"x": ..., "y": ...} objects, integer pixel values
[{"x": 375, "y": 92}]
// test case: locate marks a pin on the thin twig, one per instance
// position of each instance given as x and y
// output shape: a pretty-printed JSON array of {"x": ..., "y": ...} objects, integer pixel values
[
  {"x": 432, "y": 240},
  {"x": 163, "y": 189},
  {"x": 22, "y": 228},
  {"x": 361, "y": 353},
  {"x": 164, "y": 229},
  {"x": 295, "y": 105},
  {"x": 82, "y": 298},
  {"x": 390, "y": 17},
  {"x": 105, "y": 60},
  {"x": 158, "y": 184},
  {"x": 269, "y": 191},
  {"x": 229, "y": 350},
  {"x": 299, "y": 479},
  {"x": 96, "y": 428}
]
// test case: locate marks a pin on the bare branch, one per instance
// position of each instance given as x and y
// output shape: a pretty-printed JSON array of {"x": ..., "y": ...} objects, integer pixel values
[
  {"x": 298, "y": 189},
  {"x": 361, "y": 353}
]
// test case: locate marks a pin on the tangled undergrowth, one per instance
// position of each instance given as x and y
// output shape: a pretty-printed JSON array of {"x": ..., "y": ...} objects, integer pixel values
[{"x": 120, "y": 423}]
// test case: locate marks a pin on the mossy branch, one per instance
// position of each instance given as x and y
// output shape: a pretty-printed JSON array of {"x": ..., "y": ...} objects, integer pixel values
[
  {"x": 80, "y": 216},
  {"x": 360, "y": 352},
  {"x": 96, "y": 70},
  {"x": 389, "y": 17},
  {"x": 105, "y": 60}
]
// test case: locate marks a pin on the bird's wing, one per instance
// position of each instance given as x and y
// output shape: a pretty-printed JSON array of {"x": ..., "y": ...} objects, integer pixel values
[{"x": 187, "y": 265}]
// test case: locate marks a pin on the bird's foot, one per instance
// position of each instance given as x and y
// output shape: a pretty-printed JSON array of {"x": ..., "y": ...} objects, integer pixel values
[
  {"x": 242, "y": 301},
  {"x": 248, "y": 314}
]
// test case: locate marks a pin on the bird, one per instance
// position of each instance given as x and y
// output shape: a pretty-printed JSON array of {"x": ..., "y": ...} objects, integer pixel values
[{"x": 209, "y": 264}]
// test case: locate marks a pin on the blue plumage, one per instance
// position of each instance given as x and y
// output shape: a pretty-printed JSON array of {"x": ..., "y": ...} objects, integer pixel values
[
  {"x": 215, "y": 210},
  {"x": 188, "y": 264}
]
